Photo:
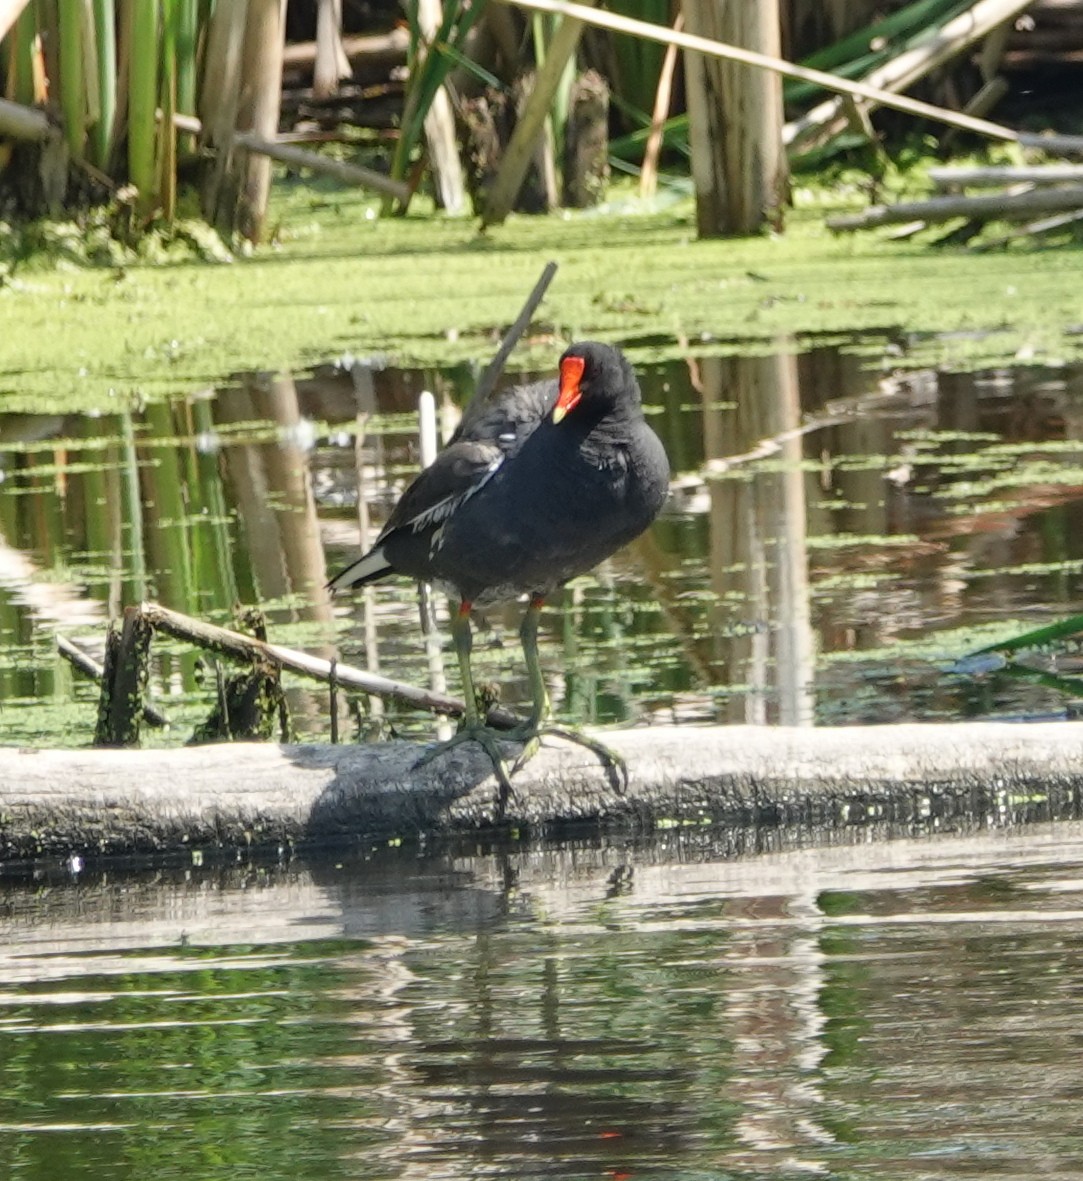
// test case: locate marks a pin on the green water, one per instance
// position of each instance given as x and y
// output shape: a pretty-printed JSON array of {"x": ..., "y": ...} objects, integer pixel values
[
  {"x": 770, "y": 1008},
  {"x": 838, "y": 535},
  {"x": 432, "y": 290}
]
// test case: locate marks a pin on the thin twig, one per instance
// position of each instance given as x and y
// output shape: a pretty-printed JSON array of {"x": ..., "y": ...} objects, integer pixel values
[
  {"x": 223, "y": 700},
  {"x": 491, "y": 376}
]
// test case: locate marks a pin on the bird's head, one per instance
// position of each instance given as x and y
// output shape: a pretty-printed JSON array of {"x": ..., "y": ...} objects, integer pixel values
[{"x": 597, "y": 375}]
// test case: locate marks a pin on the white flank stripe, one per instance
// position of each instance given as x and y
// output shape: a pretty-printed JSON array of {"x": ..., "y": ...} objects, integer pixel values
[
  {"x": 444, "y": 508},
  {"x": 371, "y": 565}
]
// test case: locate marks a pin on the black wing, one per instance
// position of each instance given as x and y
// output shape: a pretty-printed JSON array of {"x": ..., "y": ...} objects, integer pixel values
[{"x": 457, "y": 472}]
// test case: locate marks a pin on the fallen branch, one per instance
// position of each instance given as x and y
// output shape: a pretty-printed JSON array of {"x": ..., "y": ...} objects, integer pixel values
[
  {"x": 63, "y": 801},
  {"x": 19, "y": 122},
  {"x": 991, "y": 176},
  {"x": 1047, "y": 141},
  {"x": 938, "y": 209},
  {"x": 1046, "y": 225},
  {"x": 351, "y": 174},
  {"x": 392, "y": 45},
  {"x": 237, "y": 646}
]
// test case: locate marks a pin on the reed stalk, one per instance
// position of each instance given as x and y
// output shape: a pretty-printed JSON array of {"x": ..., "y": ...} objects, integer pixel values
[
  {"x": 852, "y": 57},
  {"x": 72, "y": 78},
  {"x": 639, "y": 62},
  {"x": 429, "y": 62},
  {"x": 648, "y": 178},
  {"x": 26, "y": 78},
  {"x": 105, "y": 38},
  {"x": 186, "y": 22},
  {"x": 707, "y": 46},
  {"x": 544, "y": 29},
  {"x": 167, "y": 130},
  {"x": 143, "y": 102}
]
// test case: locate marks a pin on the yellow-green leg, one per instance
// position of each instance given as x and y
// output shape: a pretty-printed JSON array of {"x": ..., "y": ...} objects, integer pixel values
[
  {"x": 539, "y": 722},
  {"x": 473, "y": 727},
  {"x": 540, "y": 710}
]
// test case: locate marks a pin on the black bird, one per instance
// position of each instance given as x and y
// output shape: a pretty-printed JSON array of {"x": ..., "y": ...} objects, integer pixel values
[{"x": 538, "y": 484}]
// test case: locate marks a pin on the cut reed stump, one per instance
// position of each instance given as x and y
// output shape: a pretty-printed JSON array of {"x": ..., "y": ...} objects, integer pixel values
[
  {"x": 244, "y": 795},
  {"x": 586, "y": 142}
]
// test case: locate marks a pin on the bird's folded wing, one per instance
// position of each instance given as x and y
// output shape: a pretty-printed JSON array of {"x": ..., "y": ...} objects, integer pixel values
[{"x": 456, "y": 473}]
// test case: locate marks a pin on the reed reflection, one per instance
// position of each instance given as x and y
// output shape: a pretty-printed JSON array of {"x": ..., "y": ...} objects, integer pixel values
[{"x": 828, "y": 523}]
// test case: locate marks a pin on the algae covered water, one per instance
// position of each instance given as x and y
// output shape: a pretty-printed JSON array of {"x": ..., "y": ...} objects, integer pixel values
[
  {"x": 749, "y": 1007},
  {"x": 838, "y": 535}
]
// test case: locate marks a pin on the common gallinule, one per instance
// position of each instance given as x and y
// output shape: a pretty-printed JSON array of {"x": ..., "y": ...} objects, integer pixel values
[{"x": 539, "y": 483}]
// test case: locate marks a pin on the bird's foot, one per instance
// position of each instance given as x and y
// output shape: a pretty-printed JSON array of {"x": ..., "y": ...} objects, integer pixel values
[
  {"x": 530, "y": 735},
  {"x": 487, "y": 739}
]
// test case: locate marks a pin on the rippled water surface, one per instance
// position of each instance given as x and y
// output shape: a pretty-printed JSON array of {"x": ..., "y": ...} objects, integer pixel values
[{"x": 905, "y": 1008}]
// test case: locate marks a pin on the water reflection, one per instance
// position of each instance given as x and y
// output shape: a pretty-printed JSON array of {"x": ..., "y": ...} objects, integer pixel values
[
  {"x": 606, "y": 1009},
  {"x": 837, "y": 535}
]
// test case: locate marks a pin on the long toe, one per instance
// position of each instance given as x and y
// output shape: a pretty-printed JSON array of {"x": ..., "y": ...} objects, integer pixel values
[
  {"x": 615, "y": 766},
  {"x": 489, "y": 742}
]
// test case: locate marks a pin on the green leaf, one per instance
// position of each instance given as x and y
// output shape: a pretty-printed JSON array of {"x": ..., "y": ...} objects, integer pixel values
[{"x": 1036, "y": 638}]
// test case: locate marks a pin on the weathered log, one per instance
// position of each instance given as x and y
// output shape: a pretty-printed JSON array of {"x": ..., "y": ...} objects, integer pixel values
[
  {"x": 993, "y": 176},
  {"x": 64, "y": 801},
  {"x": 945, "y": 208}
]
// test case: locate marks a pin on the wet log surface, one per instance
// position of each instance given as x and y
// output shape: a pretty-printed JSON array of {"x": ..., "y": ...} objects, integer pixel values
[{"x": 106, "y": 801}]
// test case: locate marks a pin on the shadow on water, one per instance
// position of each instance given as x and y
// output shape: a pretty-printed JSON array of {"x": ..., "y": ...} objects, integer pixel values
[
  {"x": 602, "y": 1008},
  {"x": 838, "y": 534}
]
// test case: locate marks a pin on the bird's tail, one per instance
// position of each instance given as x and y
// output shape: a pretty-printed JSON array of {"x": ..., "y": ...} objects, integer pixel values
[{"x": 367, "y": 568}]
